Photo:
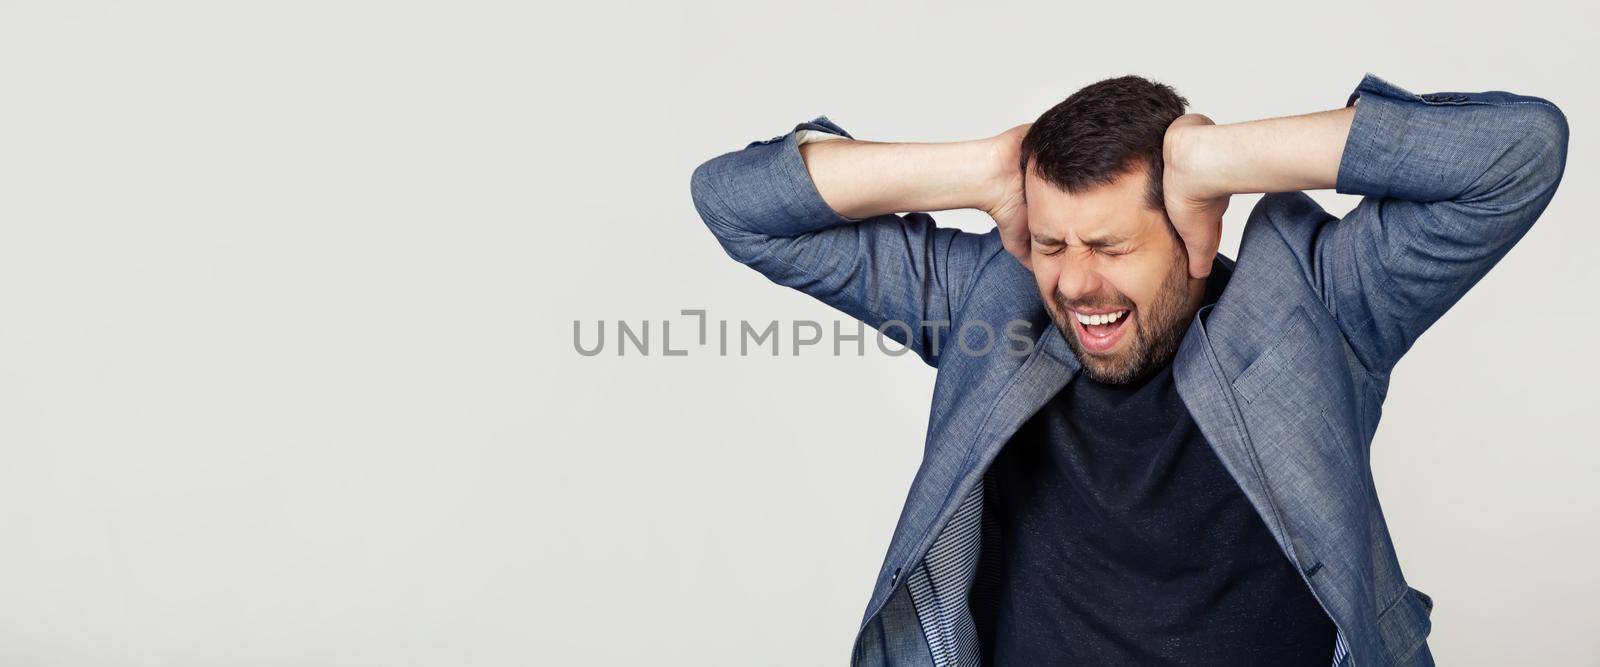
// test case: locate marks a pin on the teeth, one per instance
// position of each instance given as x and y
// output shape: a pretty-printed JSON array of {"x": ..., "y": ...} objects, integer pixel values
[{"x": 1107, "y": 318}]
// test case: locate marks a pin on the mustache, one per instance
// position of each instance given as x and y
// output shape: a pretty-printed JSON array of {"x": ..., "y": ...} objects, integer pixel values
[{"x": 1083, "y": 304}]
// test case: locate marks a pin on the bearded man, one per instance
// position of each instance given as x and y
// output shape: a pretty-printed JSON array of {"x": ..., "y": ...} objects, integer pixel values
[{"x": 1177, "y": 468}]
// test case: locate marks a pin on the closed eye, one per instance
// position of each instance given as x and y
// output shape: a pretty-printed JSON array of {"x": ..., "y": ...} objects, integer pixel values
[
  {"x": 1056, "y": 248},
  {"x": 1059, "y": 249}
]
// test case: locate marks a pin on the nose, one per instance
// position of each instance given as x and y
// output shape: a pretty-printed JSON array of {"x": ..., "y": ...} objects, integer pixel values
[{"x": 1079, "y": 282}]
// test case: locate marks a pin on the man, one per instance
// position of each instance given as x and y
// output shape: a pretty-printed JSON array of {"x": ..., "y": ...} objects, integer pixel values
[{"x": 1201, "y": 491}]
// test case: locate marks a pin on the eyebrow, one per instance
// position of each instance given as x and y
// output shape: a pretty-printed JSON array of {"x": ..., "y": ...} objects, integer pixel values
[{"x": 1092, "y": 242}]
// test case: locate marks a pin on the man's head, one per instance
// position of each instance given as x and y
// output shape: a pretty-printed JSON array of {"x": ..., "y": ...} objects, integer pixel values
[{"x": 1102, "y": 242}]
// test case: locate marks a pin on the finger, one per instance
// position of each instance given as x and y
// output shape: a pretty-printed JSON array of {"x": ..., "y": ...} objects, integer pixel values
[
  {"x": 1197, "y": 268},
  {"x": 1209, "y": 255},
  {"x": 1199, "y": 259}
]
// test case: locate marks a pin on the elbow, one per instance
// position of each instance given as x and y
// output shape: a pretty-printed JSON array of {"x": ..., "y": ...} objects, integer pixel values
[
  {"x": 703, "y": 193},
  {"x": 738, "y": 242},
  {"x": 1521, "y": 175},
  {"x": 1549, "y": 124},
  {"x": 1548, "y": 135},
  {"x": 1542, "y": 142},
  {"x": 1545, "y": 135},
  {"x": 708, "y": 202}
]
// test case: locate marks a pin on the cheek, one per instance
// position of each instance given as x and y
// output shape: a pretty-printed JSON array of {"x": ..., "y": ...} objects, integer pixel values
[
  {"x": 1046, "y": 277},
  {"x": 1139, "y": 282}
]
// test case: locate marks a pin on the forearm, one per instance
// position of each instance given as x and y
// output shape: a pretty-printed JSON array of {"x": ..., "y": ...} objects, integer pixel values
[
  {"x": 861, "y": 179},
  {"x": 1272, "y": 155}
]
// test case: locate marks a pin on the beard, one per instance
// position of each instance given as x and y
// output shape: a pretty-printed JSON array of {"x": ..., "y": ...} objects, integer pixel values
[{"x": 1157, "y": 332}]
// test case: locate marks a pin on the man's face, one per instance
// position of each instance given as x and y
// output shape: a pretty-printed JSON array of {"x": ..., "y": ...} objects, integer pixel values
[{"x": 1104, "y": 255}]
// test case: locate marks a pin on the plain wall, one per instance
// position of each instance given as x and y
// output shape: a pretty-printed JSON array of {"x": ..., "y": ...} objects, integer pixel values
[{"x": 287, "y": 293}]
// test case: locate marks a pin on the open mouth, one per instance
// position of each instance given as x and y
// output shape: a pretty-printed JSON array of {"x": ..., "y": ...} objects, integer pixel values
[{"x": 1099, "y": 332}]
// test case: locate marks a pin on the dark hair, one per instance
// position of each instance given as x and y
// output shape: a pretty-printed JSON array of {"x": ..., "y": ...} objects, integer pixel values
[{"x": 1100, "y": 132}]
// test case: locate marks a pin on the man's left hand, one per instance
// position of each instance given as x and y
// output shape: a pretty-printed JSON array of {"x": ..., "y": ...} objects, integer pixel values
[{"x": 1196, "y": 213}]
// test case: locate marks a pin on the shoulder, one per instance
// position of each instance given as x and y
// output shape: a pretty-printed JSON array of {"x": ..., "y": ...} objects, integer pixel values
[
  {"x": 1002, "y": 283},
  {"x": 1283, "y": 231}
]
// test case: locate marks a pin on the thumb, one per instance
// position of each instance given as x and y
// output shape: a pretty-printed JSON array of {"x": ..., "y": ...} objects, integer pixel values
[{"x": 1201, "y": 255}]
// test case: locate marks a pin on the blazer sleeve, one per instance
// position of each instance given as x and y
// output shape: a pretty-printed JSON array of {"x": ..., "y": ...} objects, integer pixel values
[
  {"x": 1449, "y": 183},
  {"x": 899, "y": 273}
]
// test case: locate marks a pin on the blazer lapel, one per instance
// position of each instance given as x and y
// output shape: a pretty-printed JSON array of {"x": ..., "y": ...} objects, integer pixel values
[
  {"x": 1051, "y": 366},
  {"x": 1215, "y": 409}
]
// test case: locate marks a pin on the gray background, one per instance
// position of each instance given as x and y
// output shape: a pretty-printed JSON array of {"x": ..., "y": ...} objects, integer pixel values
[{"x": 287, "y": 294}]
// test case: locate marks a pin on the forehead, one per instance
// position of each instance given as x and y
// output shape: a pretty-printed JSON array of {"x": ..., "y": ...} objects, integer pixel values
[{"x": 1118, "y": 208}]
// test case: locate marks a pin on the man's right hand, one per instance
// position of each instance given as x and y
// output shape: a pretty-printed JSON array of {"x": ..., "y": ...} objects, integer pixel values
[
  {"x": 1006, "y": 206},
  {"x": 861, "y": 179}
]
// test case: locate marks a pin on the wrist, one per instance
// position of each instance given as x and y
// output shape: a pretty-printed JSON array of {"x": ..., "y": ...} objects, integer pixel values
[
  {"x": 998, "y": 175},
  {"x": 961, "y": 174},
  {"x": 1190, "y": 152}
]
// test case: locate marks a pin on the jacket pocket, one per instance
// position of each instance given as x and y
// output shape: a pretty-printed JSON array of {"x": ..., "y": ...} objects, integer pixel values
[{"x": 1292, "y": 340}]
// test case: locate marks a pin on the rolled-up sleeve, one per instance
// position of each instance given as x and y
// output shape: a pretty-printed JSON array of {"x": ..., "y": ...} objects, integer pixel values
[
  {"x": 1449, "y": 146},
  {"x": 764, "y": 209},
  {"x": 1449, "y": 183}
]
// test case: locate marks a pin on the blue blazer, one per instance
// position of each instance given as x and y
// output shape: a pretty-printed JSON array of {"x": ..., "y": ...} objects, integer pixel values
[{"x": 1285, "y": 374}]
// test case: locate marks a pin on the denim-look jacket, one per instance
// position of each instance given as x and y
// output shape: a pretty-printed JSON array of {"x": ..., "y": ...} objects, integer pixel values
[{"x": 1285, "y": 374}]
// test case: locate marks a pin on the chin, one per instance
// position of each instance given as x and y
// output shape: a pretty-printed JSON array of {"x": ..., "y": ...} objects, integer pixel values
[
  {"x": 1111, "y": 373},
  {"x": 1114, "y": 367}
]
